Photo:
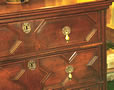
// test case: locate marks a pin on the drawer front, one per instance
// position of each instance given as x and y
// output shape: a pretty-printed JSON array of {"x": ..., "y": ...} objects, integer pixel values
[
  {"x": 61, "y": 72},
  {"x": 43, "y": 34}
]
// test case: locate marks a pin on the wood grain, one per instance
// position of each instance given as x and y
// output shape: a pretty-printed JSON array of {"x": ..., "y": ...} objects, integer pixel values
[{"x": 45, "y": 44}]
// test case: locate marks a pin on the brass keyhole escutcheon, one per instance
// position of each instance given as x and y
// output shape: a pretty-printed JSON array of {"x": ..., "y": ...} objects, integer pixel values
[
  {"x": 69, "y": 69},
  {"x": 26, "y": 28},
  {"x": 66, "y": 31},
  {"x": 32, "y": 65}
]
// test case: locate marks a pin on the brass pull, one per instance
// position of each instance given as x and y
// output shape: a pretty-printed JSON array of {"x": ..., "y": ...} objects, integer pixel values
[
  {"x": 69, "y": 69},
  {"x": 26, "y": 28},
  {"x": 32, "y": 65},
  {"x": 66, "y": 31}
]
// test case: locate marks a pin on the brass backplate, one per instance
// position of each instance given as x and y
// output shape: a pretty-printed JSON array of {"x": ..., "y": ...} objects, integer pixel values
[
  {"x": 66, "y": 30},
  {"x": 69, "y": 69}
]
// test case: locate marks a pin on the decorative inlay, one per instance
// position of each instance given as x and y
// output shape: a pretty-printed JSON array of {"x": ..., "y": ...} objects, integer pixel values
[
  {"x": 72, "y": 57},
  {"x": 45, "y": 77},
  {"x": 92, "y": 61},
  {"x": 19, "y": 74},
  {"x": 15, "y": 46},
  {"x": 69, "y": 57},
  {"x": 91, "y": 34},
  {"x": 38, "y": 28}
]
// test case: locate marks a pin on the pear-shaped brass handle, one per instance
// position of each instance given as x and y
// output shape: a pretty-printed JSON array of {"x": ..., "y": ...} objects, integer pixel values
[
  {"x": 66, "y": 31},
  {"x": 69, "y": 69}
]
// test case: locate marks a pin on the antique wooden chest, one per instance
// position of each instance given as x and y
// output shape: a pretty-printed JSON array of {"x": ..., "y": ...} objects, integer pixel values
[{"x": 53, "y": 45}]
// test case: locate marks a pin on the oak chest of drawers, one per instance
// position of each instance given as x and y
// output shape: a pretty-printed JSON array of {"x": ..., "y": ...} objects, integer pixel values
[{"x": 53, "y": 45}]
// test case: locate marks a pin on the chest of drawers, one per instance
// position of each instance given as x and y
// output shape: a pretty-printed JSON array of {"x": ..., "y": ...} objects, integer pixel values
[{"x": 53, "y": 45}]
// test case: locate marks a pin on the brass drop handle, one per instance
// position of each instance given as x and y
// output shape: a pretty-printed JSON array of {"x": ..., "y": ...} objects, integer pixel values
[
  {"x": 69, "y": 69},
  {"x": 32, "y": 65},
  {"x": 66, "y": 31}
]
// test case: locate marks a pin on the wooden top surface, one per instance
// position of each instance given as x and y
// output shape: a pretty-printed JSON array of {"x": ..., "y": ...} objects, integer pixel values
[
  {"x": 38, "y": 4},
  {"x": 37, "y": 9}
]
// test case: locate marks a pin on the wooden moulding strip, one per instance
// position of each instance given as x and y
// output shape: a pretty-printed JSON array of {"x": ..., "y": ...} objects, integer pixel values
[
  {"x": 42, "y": 23},
  {"x": 92, "y": 61},
  {"x": 91, "y": 34},
  {"x": 19, "y": 74},
  {"x": 72, "y": 57},
  {"x": 15, "y": 46}
]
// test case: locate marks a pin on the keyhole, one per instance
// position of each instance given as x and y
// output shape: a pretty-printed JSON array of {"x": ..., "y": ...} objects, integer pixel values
[
  {"x": 26, "y": 27},
  {"x": 31, "y": 65}
]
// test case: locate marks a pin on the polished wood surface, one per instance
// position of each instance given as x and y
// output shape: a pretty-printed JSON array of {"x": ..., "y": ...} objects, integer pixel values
[
  {"x": 34, "y": 53},
  {"x": 16, "y": 13},
  {"x": 38, "y": 4},
  {"x": 50, "y": 72},
  {"x": 40, "y": 38}
]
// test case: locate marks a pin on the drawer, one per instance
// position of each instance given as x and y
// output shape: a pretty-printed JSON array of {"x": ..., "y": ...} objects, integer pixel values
[
  {"x": 37, "y": 35},
  {"x": 61, "y": 72}
]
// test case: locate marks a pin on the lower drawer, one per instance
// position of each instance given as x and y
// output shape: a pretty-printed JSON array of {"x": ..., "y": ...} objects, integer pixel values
[{"x": 64, "y": 71}]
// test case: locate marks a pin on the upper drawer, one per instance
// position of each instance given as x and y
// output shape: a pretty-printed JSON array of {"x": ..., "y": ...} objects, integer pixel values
[{"x": 42, "y": 34}]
